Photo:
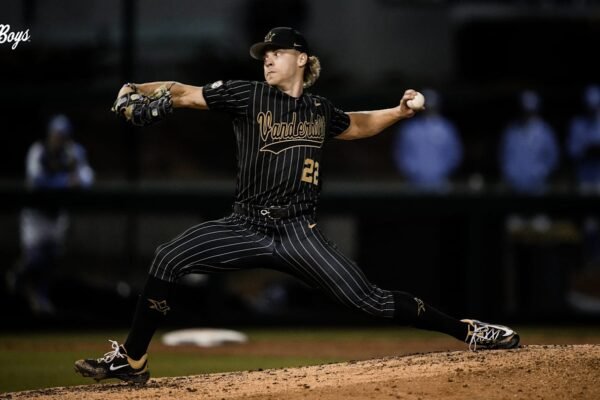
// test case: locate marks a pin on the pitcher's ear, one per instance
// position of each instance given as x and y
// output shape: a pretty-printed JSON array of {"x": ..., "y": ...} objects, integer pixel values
[{"x": 303, "y": 59}]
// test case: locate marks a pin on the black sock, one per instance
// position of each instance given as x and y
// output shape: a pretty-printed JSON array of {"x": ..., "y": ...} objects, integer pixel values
[
  {"x": 413, "y": 311},
  {"x": 150, "y": 312}
]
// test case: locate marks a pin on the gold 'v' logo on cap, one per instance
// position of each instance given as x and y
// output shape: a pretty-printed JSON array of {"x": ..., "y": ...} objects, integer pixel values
[{"x": 269, "y": 37}]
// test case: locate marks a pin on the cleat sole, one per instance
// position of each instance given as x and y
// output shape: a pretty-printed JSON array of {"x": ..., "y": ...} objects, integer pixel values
[{"x": 138, "y": 379}]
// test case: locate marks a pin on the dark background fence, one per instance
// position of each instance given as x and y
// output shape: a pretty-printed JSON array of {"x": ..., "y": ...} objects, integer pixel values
[
  {"x": 476, "y": 248},
  {"x": 457, "y": 249}
]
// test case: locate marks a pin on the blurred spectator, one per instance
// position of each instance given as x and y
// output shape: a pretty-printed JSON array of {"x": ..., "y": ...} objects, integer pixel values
[
  {"x": 583, "y": 141},
  {"x": 53, "y": 164},
  {"x": 583, "y": 145},
  {"x": 528, "y": 154},
  {"x": 529, "y": 151},
  {"x": 427, "y": 148}
]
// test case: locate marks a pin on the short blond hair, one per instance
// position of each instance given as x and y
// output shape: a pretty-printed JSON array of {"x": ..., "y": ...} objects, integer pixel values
[{"x": 311, "y": 71}]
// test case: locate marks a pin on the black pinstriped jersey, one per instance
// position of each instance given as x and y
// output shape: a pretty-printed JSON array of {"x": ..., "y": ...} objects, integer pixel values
[{"x": 279, "y": 141}]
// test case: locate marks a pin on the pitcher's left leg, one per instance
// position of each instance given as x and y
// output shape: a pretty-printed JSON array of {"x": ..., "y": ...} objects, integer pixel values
[{"x": 308, "y": 254}]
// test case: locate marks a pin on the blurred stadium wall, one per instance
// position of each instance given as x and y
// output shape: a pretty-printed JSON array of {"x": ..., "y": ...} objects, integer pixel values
[{"x": 454, "y": 248}]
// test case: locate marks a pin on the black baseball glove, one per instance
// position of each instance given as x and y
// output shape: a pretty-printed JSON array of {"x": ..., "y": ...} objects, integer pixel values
[{"x": 143, "y": 110}]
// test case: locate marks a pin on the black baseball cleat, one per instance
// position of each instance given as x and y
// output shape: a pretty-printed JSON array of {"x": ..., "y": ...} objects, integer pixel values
[
  {"x": 486, "y": 336},
  {"x": 115, "y": 364}
]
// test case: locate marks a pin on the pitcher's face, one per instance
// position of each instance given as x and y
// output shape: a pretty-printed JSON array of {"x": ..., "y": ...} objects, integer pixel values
[{"x": 283, "y": 66}]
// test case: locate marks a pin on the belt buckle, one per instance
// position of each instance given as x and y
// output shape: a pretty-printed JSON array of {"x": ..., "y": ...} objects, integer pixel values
[{"x": 266, "y": 212}]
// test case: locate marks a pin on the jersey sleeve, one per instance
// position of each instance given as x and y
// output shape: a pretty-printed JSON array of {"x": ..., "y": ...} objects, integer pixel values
[
  {"x": 228, "y": 96},
  {"x": 339, "y": 121}
]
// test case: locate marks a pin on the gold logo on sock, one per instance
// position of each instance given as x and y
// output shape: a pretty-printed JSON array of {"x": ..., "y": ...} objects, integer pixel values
[
  {"x": 160, "y": 306},
  {"x": 138, "y": 364},
  {"x": 420, "y": 306}
]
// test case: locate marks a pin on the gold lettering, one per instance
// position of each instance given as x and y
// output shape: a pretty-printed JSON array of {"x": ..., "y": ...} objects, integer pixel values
[
  {"x": 314, "y": 129},
  {"x": 300, "y": 130},
  {"x": 264, "y": 121}
]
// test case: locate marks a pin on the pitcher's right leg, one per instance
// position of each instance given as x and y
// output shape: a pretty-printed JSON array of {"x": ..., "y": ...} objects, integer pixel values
[{"x": 214, "y": 246}]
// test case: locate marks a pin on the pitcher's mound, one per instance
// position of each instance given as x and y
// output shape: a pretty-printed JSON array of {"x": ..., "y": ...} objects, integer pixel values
[{"x": 531, "y": 372}]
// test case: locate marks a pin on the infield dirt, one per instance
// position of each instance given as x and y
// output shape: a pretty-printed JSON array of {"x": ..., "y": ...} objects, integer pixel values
[{"x": 531, "y": 372}]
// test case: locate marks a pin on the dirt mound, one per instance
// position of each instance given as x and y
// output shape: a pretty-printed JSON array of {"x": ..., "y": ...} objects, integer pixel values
[{"x": 531, "y": 372}]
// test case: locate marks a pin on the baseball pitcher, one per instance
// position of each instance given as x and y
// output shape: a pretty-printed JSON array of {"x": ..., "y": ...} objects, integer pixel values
[{"x": 280, "y": 130}]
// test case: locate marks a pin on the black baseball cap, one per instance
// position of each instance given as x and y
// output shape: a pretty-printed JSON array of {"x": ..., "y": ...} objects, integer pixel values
[{"x": 280, "y": 38}]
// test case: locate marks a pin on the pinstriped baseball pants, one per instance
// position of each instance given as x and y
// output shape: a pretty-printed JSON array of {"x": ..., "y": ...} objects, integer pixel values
[{"x": 295, "y": 246}]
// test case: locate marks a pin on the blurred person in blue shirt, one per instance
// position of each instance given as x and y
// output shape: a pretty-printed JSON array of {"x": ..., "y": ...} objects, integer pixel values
[
  {"x": 56, "y": 163},
  {"x": 583, "y": 141},
  {"x": 529, "y": 151},
  {"x": 427, "y": 147},
  {"x": 583, "y": 145}
]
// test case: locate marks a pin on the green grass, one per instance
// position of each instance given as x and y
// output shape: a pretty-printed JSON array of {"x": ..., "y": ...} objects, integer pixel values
[
  {"x": 37, "y": 360},
  {"x": 27, "y": 361},
  {"x": 337, "y": 334},
  {"x": 37, "y": 369}
]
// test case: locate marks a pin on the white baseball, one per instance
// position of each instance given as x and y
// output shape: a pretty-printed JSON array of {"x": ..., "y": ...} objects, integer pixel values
[{"x": 417, "y": 103}]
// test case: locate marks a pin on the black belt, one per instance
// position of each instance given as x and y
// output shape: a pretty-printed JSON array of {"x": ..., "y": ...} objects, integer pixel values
[{"x": 272, "y": 212}]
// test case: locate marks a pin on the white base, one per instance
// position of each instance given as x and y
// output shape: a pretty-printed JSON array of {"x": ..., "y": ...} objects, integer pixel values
[{"x": 204, "y": 337}]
